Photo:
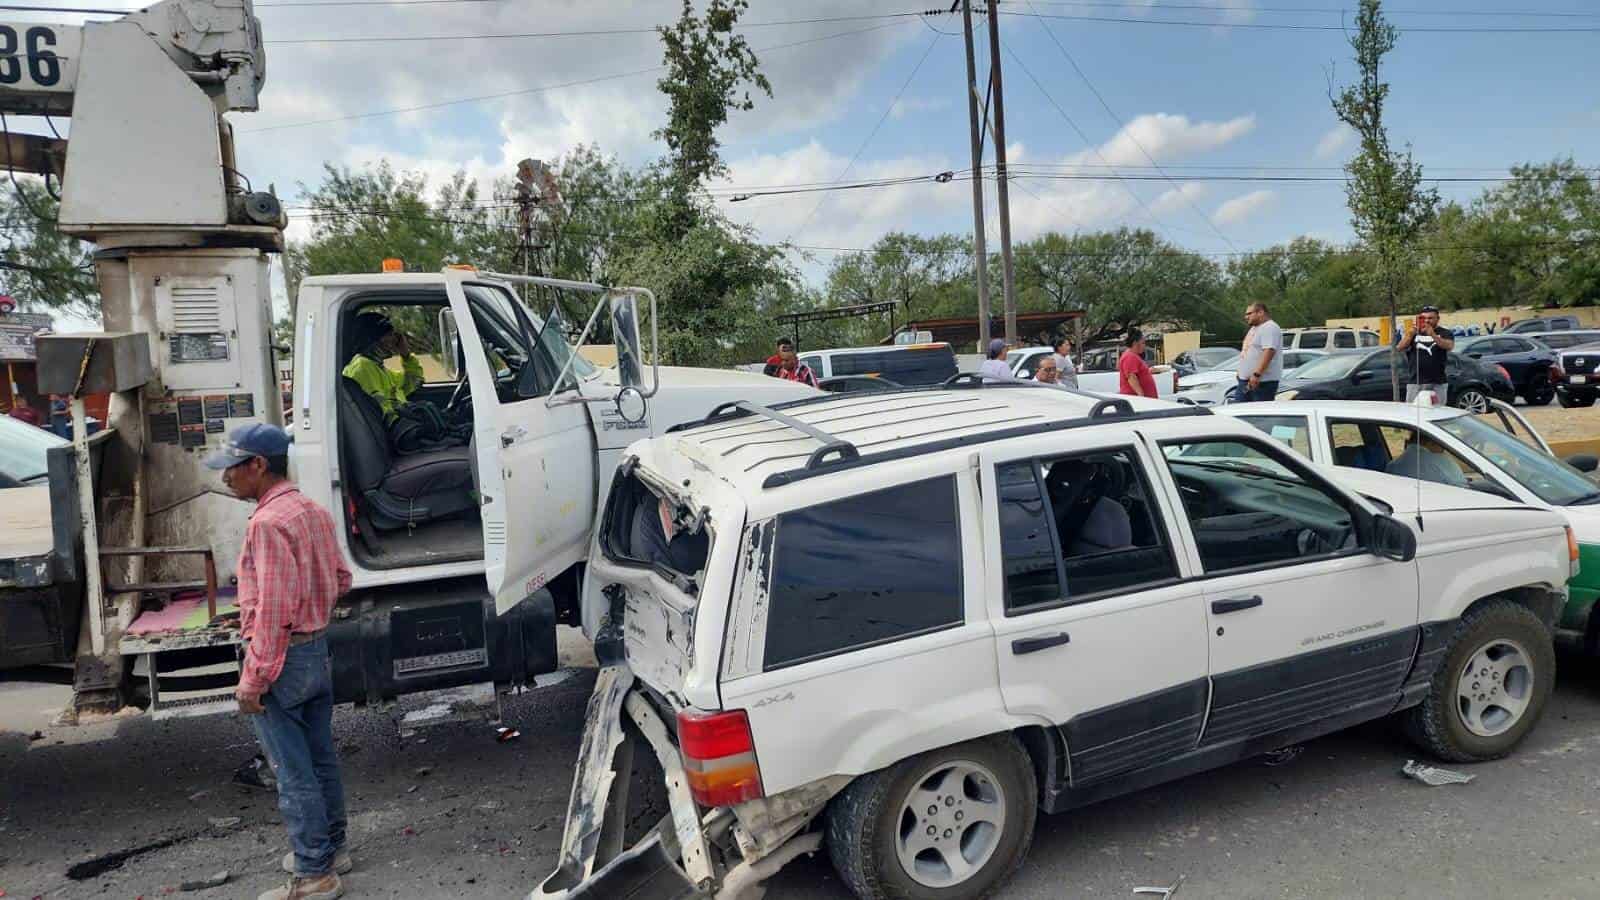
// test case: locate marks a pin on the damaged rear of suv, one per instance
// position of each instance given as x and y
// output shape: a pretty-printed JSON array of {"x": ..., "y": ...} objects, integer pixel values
[{"x": 898, "y": 626}]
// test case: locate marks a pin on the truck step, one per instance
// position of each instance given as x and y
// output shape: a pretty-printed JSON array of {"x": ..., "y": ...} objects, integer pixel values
[{"x": 184, "y": 684}]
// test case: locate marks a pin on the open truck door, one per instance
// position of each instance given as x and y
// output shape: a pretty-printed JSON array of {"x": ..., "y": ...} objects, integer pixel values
[{"x": 534, "y": 443}]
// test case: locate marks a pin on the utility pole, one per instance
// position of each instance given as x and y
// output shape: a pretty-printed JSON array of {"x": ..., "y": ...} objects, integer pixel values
[
  {"x": 980, "y": 248},
  {"x": 1006, "y": 271}
]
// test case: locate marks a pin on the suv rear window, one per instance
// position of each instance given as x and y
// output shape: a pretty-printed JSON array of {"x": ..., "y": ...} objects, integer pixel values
[
  {"x": 930, "y": 365},
  {"x": 865, "y": 570},
  {"x": 1312, "y": 340}
]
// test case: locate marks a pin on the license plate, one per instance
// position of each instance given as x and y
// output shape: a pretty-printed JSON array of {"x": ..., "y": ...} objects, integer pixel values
[{"x": 1580, "y": 379}]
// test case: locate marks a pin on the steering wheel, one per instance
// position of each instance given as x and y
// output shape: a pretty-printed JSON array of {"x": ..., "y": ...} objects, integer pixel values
[{"x": 460, "y": 395}]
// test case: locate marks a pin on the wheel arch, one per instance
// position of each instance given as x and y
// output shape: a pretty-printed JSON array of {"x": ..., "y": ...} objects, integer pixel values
[{"x": 1539, "y": 599}]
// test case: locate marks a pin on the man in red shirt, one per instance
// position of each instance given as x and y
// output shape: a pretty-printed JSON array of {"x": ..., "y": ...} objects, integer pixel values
[
  {"x": 1133, "y": 373},
  {"x": 290, "y": 575}
]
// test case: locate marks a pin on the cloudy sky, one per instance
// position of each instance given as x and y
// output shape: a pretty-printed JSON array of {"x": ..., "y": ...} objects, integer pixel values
[{"x": 1191, "y": 101}]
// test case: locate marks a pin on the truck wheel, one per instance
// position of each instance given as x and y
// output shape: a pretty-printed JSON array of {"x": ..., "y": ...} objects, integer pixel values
[
  {"x": 1569, "y": 400},
  {"x": 949, "y": 824},
  {"x": 1490, "y": 689}
]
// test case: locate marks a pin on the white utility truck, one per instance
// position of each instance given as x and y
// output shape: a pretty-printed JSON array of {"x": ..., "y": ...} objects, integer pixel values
[{"x": 465, "y": 557}]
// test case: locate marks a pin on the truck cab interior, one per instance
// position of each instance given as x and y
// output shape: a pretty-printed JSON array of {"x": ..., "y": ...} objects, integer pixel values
[{"x": 413, "y": 503}]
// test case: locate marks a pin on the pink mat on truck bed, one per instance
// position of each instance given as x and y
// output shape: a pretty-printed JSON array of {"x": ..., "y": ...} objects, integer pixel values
[{"x": 183, "y": 614}]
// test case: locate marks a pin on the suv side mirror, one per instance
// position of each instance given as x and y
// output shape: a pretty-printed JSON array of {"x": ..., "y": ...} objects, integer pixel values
[
  {"x": 449, "y": 344},
  {"x": 625, "y": 331},
  {"x": 1391, "y": 539}
]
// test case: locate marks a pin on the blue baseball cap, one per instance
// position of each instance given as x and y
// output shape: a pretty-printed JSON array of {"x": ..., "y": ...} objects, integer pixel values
[{"x": 247, "y": 442}]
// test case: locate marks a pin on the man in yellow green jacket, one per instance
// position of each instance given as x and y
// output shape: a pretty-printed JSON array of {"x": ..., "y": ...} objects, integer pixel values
[{"x": 378, "y": 340}]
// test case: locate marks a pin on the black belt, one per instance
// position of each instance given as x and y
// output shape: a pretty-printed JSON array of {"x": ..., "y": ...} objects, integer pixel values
[{"x": 305, "y": 637}]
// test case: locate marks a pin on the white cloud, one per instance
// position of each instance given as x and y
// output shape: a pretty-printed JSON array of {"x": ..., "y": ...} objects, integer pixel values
[
  {"x": 1334, "y": 142},
  {"x": 911, "y": 106},
  {"x": 1240, "y": 208},
  {"x": 1179, "y": 199}
]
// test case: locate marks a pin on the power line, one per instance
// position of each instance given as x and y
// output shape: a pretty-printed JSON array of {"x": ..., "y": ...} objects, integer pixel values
[
  {"x": 1124, "y": 128},
  {"x": 1307, "y": 10},
  {"x": 887, "y": 110},
  {"x": 594, "y": 32},
  {"x": 1282, "y": 26},
  {"x": 545, "y": 88}
]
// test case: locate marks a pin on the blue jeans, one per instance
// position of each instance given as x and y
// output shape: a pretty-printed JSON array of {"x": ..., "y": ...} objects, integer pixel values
[
  {"x": 1265, "y": 390},
  {"x": 297, "y": 734}
]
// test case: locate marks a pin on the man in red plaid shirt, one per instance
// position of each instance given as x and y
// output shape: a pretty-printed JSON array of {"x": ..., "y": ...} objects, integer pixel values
[{"x": 290, "y": 575}]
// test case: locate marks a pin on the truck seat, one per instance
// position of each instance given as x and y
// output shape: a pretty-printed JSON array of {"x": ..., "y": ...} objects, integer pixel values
[{"x": 398, "y": 492}]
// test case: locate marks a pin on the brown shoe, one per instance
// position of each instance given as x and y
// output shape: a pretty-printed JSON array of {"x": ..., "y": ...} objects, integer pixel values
[
  {"x": 342, "y": 863},
  {"x": 322, "y": 887}
]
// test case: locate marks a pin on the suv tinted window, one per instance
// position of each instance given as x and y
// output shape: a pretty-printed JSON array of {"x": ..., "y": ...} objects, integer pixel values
[
  {"x": 931, "y": 365},
  {"x": 1344, "y": 339},
  {"x": 865, "y": 570},
  {"x": 1087, "y": 519},
  {"x": 1312, "y": 340},
  {"x": 1369, "y": 339},
  {"x": 1291, "y": 431},
  {"x": 1248, "y": 508},
  {"x": 1386, "y": 448}
]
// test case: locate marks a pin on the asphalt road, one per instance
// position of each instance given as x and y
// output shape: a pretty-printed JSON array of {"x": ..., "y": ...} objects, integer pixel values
[{"x": 485, "y": 818}]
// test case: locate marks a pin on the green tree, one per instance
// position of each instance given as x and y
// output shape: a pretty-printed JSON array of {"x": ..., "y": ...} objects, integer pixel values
[
  {"x": 41, "y": 268},
  {"x": 1304, "y": 282},
  {"x": 927, "y": 277},
  {"x": 1533, "y": 241},
  {"x": 710, "y": 68},
  {"x": 1389, "y": 208},
  {"x": 1123, "y": 279}
]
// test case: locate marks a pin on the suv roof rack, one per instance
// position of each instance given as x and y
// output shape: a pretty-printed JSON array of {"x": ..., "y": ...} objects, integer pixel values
[{"x": 837, "y": 454}]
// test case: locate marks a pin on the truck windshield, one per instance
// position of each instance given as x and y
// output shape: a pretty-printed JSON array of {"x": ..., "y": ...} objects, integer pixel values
[{"x": 1552, "y": 480}]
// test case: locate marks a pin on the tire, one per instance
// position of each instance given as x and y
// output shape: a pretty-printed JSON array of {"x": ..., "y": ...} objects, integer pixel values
[
  {"x": 1438, "y": 724},
  {"x": 1472, "y": 399},
  {"x": 1539, "y": 392},
  {"x": 866, "y": 820},
  {"x": 1570, "y": 401}
]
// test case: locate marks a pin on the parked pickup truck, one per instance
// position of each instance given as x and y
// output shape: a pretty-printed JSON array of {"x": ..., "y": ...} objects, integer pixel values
[
  {"x": 898, "y": 627},
  {"x": 1577, "y": 375}
]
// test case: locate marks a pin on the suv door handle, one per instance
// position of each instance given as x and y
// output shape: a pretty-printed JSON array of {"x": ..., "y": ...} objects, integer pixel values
[
  {"x": 1234, "y": 604},
  {"x": 1021, "y": 646}
]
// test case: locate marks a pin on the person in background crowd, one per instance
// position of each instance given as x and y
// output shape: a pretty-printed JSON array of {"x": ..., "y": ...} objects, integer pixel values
[
  {"x": 1066, "y": 371},
  {"x": 1048, "y": 373},
  {"x": 1427, "y": 349},
  {"x": 377, "y": 341},
  {"x": 994, "y": 364},
  {"x": 1261, "y": 357},
  {"x": 1133, "y": 373},
  {"x": 786, "y": 364},
  {"x": 291, "y": 574}
]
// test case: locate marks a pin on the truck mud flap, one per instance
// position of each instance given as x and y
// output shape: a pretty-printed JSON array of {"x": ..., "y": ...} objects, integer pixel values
[{"x": 645, "y": 872}]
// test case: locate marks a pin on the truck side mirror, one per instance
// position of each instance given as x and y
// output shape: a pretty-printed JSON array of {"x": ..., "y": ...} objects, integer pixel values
[
  {"x": 449, "y": 344},
  {"x": 1393, "y": 540},
  {"x": 625, "y": 331}
]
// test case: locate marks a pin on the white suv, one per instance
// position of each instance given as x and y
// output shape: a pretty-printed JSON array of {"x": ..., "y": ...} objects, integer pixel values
[{"x": 898, "y": 625}]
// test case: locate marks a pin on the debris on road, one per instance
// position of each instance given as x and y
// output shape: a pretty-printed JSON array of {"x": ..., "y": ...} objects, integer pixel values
[
  {"x": 216, "y": 880},
  {"x": 504, "y": 734},
  {"x": 1282, "y": 756},
  {"x": 225, "y": 822},
  {"x": 256, "y": 774},
  {"x": 1433, "y": 776},
  {"x": 1163, "y": 892},
  {"x": 424, "y": 771}
]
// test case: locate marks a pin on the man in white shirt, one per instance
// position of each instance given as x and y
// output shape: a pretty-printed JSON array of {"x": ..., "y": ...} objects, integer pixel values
[{"x": 1261, "y": 357}]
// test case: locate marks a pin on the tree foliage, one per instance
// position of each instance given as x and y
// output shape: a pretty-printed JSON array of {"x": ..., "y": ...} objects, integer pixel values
[
  {"x": 41, "y": 268},
  {"x": 710, "y": 68}
]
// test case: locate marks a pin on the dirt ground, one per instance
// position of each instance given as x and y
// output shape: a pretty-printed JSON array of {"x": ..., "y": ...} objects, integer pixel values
[{"x": 1557, "y": 424}]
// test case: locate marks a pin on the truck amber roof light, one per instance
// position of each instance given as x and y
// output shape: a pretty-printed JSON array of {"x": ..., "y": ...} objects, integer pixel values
[
  {"x": 394, "y": 264},
  {"x": 465, "y": 267}
]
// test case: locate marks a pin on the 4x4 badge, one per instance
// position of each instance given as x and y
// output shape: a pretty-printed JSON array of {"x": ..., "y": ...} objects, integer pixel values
[{"x": 775, "y": 698}]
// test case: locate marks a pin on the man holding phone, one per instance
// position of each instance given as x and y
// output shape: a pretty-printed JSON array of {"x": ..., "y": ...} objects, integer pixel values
[{"x": 1427, "y": 349}]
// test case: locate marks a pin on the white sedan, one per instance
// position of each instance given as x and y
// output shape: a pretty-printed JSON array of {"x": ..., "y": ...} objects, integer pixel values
[
  {"x": 1497, "y": 453},
  {"x": 1212, "y": 386}
]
